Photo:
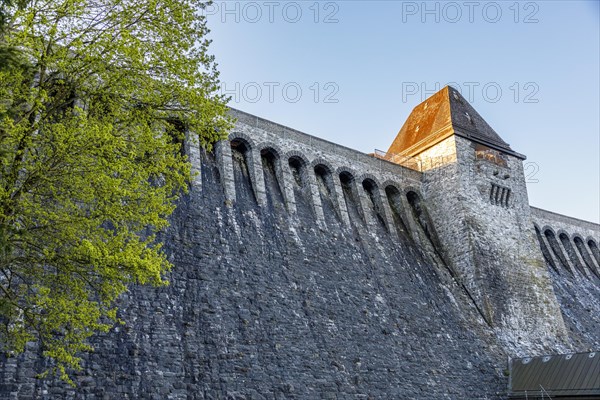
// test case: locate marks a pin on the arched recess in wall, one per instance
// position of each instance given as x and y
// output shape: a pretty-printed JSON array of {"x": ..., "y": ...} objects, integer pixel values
[
  {"x": 241, "y": 156},
  {"x": 424, "y": 221},
  {"x": 298, "y": 164},
  {"x": 298, "y": 167},
  {"x": 324, "y": 178},
  {"x": 348, "y": 184},
  {"x": 375, "y": 204},
  {"x": 555, "y": 247},
  {"x": 566, "y": 242},
  {"x": 585, "y": 255},
  {"x": 242, "y": 137},
  {"x": 396, "y": 202},
  {"x": 594, "y": 249},
  {"x": 544, "y": 249},
  {"x": 272, "y": 173}
]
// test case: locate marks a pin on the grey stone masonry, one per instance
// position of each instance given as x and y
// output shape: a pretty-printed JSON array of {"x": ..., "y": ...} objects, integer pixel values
[
  {"x": 288, "y": 189},
  {"x": 575, "y": 242},
  {"x": 192, "y": 149},
  {"x": 340, "y": 200},
  {"x": 303, "y": 269},
  {"x": 225, "y": 163},
  {"x": 316, "y": 197},
  {"x": 258, "y": 133},
  {"x": 570, "y": 249},
  {"x": 256, "y": 175}
]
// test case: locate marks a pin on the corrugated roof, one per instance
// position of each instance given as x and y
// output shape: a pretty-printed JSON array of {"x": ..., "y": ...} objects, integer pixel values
[
  {"x": 558, "y": 376},
  {"x": 444, "y": 114}
]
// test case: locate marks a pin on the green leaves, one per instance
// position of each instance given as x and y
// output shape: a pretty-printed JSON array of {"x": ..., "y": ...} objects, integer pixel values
[{"x": 93, "y": 100}]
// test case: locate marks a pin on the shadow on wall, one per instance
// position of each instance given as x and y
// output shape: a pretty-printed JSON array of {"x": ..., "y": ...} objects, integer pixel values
[
  {"x": 569, "y": 254},
  {"x": 335, "y": 198}
]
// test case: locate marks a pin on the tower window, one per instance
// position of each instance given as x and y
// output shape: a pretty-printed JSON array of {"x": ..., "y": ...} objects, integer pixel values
[{"x": 500, "y": 195}]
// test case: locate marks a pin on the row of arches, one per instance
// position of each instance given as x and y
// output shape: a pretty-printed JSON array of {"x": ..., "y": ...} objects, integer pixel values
[
  {"x": 570, "y": 253},
  {"x": 334, "y": 194}
]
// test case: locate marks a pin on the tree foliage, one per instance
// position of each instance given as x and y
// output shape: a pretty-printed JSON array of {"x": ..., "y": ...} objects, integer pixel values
[{"x": 94, "y": 98}]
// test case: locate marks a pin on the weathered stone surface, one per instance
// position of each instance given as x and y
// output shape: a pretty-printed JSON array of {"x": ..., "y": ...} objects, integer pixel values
[
  {"x": 338, "y": 275},
  {"x": 573, "y": 266}
]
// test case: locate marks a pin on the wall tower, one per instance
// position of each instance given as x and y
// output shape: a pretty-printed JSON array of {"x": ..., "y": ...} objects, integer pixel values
[{"x": 475, "y": 193}]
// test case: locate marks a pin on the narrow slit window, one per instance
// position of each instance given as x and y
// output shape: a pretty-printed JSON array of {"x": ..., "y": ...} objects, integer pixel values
[{"x": 499, "y": 195}]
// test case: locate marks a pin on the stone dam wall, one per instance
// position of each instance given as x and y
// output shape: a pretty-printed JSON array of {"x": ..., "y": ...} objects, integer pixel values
[
  {"x": 306, "y": 270},
  {"x": 570, "y": 249}
]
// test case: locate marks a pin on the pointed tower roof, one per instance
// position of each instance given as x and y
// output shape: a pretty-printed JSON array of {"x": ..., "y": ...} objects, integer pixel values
[{"x": 444, "y": 114}]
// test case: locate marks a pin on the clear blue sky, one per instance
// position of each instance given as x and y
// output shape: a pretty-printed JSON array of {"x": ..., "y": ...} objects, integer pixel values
[{"x": 351, "y": 72}]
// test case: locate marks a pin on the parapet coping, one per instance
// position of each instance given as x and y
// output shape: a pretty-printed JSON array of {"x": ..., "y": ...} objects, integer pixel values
[
  {"x": 366, "y": 157},
  {"x": 564, "y": 218}
]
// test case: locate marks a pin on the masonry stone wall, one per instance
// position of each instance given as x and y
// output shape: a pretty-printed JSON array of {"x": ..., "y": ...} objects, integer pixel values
[
  {"x": 512, "y": 269},
  {"x": 481, "y": 214},
  {"x": 570, "y": 249},
  {"x": 286, "y": 143},
  {"x": 304, "y": 269},
  {"x": 568, "y": 243}
]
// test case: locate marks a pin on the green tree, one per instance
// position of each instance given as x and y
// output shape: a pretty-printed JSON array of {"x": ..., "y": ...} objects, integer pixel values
[{"x": 95, "y": 97}]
